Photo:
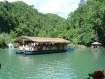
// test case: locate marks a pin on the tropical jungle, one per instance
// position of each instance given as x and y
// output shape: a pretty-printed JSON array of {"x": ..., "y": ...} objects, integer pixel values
[{"x": 82, "y": 27}]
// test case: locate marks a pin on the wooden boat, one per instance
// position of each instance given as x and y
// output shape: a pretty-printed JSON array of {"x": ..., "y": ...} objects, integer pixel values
[{"x": 41, "y": 45}]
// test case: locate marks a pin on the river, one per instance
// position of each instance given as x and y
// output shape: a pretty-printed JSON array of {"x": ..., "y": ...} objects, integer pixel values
[{"x": 69, "y": 65}]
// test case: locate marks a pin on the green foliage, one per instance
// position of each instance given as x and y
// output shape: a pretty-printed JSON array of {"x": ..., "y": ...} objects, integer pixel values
[
  {"x": 12, "y": 34},
  {"x": 83, "y": 26},
  {"x": 23, "y": 19},
  {"x": 88, "y": 22},
  {"x": 5, "y": 39}
]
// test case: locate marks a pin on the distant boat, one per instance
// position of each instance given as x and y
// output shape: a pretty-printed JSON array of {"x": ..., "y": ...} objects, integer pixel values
[{"x": 41, "y": 45}]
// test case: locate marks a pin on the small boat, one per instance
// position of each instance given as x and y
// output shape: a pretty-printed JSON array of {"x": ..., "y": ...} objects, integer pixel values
[
  {"x": 69, "y": 49},
  {"x": 20, "y": 51}
]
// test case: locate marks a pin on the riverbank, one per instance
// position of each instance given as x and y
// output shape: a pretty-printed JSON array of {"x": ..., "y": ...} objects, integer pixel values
[
  {"x": 81, "y": 46},
  {"x": 76, "y": 46}
]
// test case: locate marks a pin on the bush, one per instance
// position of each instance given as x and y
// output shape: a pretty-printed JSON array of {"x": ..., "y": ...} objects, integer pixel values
[{"x": 5, "y": 39}]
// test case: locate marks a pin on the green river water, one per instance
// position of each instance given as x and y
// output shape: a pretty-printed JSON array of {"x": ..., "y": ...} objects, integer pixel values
[{"x": 69, "y": 65}]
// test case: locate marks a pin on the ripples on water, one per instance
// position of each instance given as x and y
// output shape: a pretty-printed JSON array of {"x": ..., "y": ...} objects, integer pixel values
[{"x": 71, "y": 65}]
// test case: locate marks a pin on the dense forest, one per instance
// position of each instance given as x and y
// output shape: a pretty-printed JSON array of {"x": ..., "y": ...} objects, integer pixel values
[{"x": 83, "y": 26}]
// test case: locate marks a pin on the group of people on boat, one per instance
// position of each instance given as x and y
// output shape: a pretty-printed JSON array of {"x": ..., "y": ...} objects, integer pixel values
[{"x": 36, "y": 46}]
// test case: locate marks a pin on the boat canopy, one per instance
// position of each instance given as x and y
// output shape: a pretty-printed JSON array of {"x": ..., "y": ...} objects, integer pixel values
[
  {"x": 96, "y": 43},
  {"x": 42, "y": 39}
]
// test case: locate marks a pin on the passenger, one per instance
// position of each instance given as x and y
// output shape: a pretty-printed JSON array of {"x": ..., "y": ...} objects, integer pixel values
[
  {"x": 23, "y": 47},
  {"x": 26, "y": 47},
  {"x": 35, "y": 47},
  {"x": 41, "y": 47}
]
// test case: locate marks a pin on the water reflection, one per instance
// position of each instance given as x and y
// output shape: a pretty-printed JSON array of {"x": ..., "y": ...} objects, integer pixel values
[
  {"x": 96, "y": 52},
  {"x": 47, "y": 66}
]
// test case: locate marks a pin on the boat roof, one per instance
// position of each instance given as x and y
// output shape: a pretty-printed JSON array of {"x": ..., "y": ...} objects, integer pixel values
[
  {"x": 42, "y": 39},
  {"x": 96, "y": 43}
]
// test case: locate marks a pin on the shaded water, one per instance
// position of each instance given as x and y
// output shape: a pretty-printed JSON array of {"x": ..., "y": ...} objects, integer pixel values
[{"x": 72, "y": 65}]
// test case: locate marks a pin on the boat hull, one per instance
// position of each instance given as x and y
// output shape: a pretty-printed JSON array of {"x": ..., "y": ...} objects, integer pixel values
[
  {"x": 43, "y": 52},
  {"x": 29, "y": 52}
]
